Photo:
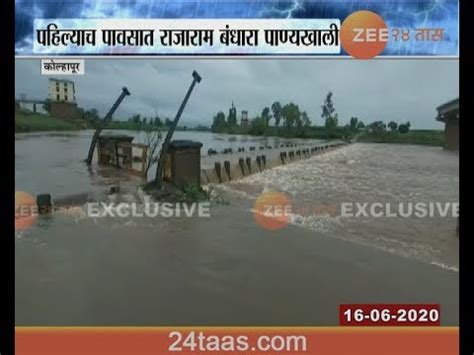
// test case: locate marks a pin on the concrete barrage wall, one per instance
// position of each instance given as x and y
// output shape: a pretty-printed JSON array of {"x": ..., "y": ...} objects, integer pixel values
[{"x": 225, "y": 171}]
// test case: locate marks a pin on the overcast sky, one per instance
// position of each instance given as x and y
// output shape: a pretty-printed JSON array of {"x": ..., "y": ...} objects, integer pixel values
[{"x": 400, "y": 90}]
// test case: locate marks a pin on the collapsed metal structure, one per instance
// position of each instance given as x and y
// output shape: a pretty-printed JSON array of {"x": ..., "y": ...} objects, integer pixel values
[
  {"x": 166, "y": 143},
  {"x": 107, "y": 119},
  {"x": 159, "y": 169}
]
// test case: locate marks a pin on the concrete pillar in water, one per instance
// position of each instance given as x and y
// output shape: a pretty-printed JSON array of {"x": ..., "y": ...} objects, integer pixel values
[
  {"x": 217, "y": 168},
  {"x": 242, "y": 166},
  {"x": 43, "y": 202},
  {"x": 249, "y": 164},
  {"x": 227, "y": 168},
  {"x": 259, "y": 163},
  {"x": 204, "y": 177}
]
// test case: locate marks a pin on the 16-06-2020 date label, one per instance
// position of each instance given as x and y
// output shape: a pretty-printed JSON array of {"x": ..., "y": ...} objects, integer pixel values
[{"x": 389, "y": 315}]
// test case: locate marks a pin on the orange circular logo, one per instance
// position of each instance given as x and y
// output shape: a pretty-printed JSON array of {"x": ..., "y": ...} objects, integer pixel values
[
  {"x": 272, "y": 210},
  {"x": 364, "y": 34},
  {"x": 26, "y": 210}
]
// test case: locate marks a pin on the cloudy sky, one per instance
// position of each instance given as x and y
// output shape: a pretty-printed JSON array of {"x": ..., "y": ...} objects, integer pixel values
[{"x": 400, "y": 90}]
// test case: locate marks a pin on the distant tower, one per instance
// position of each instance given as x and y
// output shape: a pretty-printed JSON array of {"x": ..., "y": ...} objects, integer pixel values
[
  {"x": 61, "y": 90},
  {"x": 244, "y": 121},
  {"x": 232, "y": 118}
]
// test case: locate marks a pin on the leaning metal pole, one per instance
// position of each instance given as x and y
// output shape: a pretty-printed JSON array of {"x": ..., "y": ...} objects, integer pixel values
[
  {"x": 169, "y": 134},
  {"x": 104, "y": 122}
]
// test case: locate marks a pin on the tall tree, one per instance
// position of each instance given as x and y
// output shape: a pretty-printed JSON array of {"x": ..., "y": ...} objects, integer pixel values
[
  {"x": 393, "y": 126},
  {"x": 377, "y": 126},
  {"x": 290, "y": 114},
  {"x": 353, "y": 123},
  {"x": 334, "y": 122},
  {"x": 404, "y": 128},
  {"x": 157, "y": 122},
  {"x": 136, "y": 119},
  {"x": 360, "y": 125},
  {"x": 276, "y": 111},
  {"x": 305, "y": 119},
  {"x": 91, "y": 115},
  {"x": 266, "y": 116},
  {"x": 219, "y": 123},
  {"x": 328, "y": 112},
  {"x": 257, "y": 126}
]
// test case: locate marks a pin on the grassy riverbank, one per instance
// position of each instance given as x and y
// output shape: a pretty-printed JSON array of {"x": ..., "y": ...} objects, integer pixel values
[
  {"x": 134, "y": 126},
  {"x": 27, "y": 121},
  {"x": 419, "y": 137}
]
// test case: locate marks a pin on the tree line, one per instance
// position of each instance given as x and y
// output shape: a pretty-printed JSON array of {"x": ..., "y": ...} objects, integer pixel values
[
  {"x": 150, "y": 121},
  {"x": 290, "y": 120}
]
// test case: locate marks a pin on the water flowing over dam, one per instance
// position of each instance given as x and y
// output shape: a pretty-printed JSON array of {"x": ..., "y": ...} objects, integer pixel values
[{"x": 364, "y": 174}]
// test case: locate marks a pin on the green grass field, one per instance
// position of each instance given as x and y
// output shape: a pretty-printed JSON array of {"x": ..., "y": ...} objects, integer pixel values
[{"x": 26, "y": 121}]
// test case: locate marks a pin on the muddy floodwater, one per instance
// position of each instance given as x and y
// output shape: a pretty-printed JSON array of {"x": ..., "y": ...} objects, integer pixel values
[
  {"x": 226, "y": 269},
  {"x": 53, "y": 162},
  {"x": 394, "y": 178}
]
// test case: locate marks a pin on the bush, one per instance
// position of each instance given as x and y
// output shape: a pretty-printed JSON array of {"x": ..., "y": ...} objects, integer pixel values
[{"x": 194, "y": 193}]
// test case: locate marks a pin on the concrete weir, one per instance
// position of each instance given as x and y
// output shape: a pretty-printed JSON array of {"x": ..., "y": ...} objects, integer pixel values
[{"x": 229, "y": 171}]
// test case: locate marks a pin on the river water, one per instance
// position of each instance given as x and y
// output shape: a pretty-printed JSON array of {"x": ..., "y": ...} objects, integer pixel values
[
  {"x": 221, "y": 270},
  {"x": 53, "y": 162},
  {"x": 395, "y": 177},
  {"x": 317, "y": 188}
]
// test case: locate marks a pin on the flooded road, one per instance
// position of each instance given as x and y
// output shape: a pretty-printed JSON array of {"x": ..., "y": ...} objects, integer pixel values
[{"x": 226, "y": 269}]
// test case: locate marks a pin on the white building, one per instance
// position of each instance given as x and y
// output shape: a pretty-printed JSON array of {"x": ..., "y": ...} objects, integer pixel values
[
  {"x": 62, "y": 90},
  {"x": 32, "y": 105}
]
